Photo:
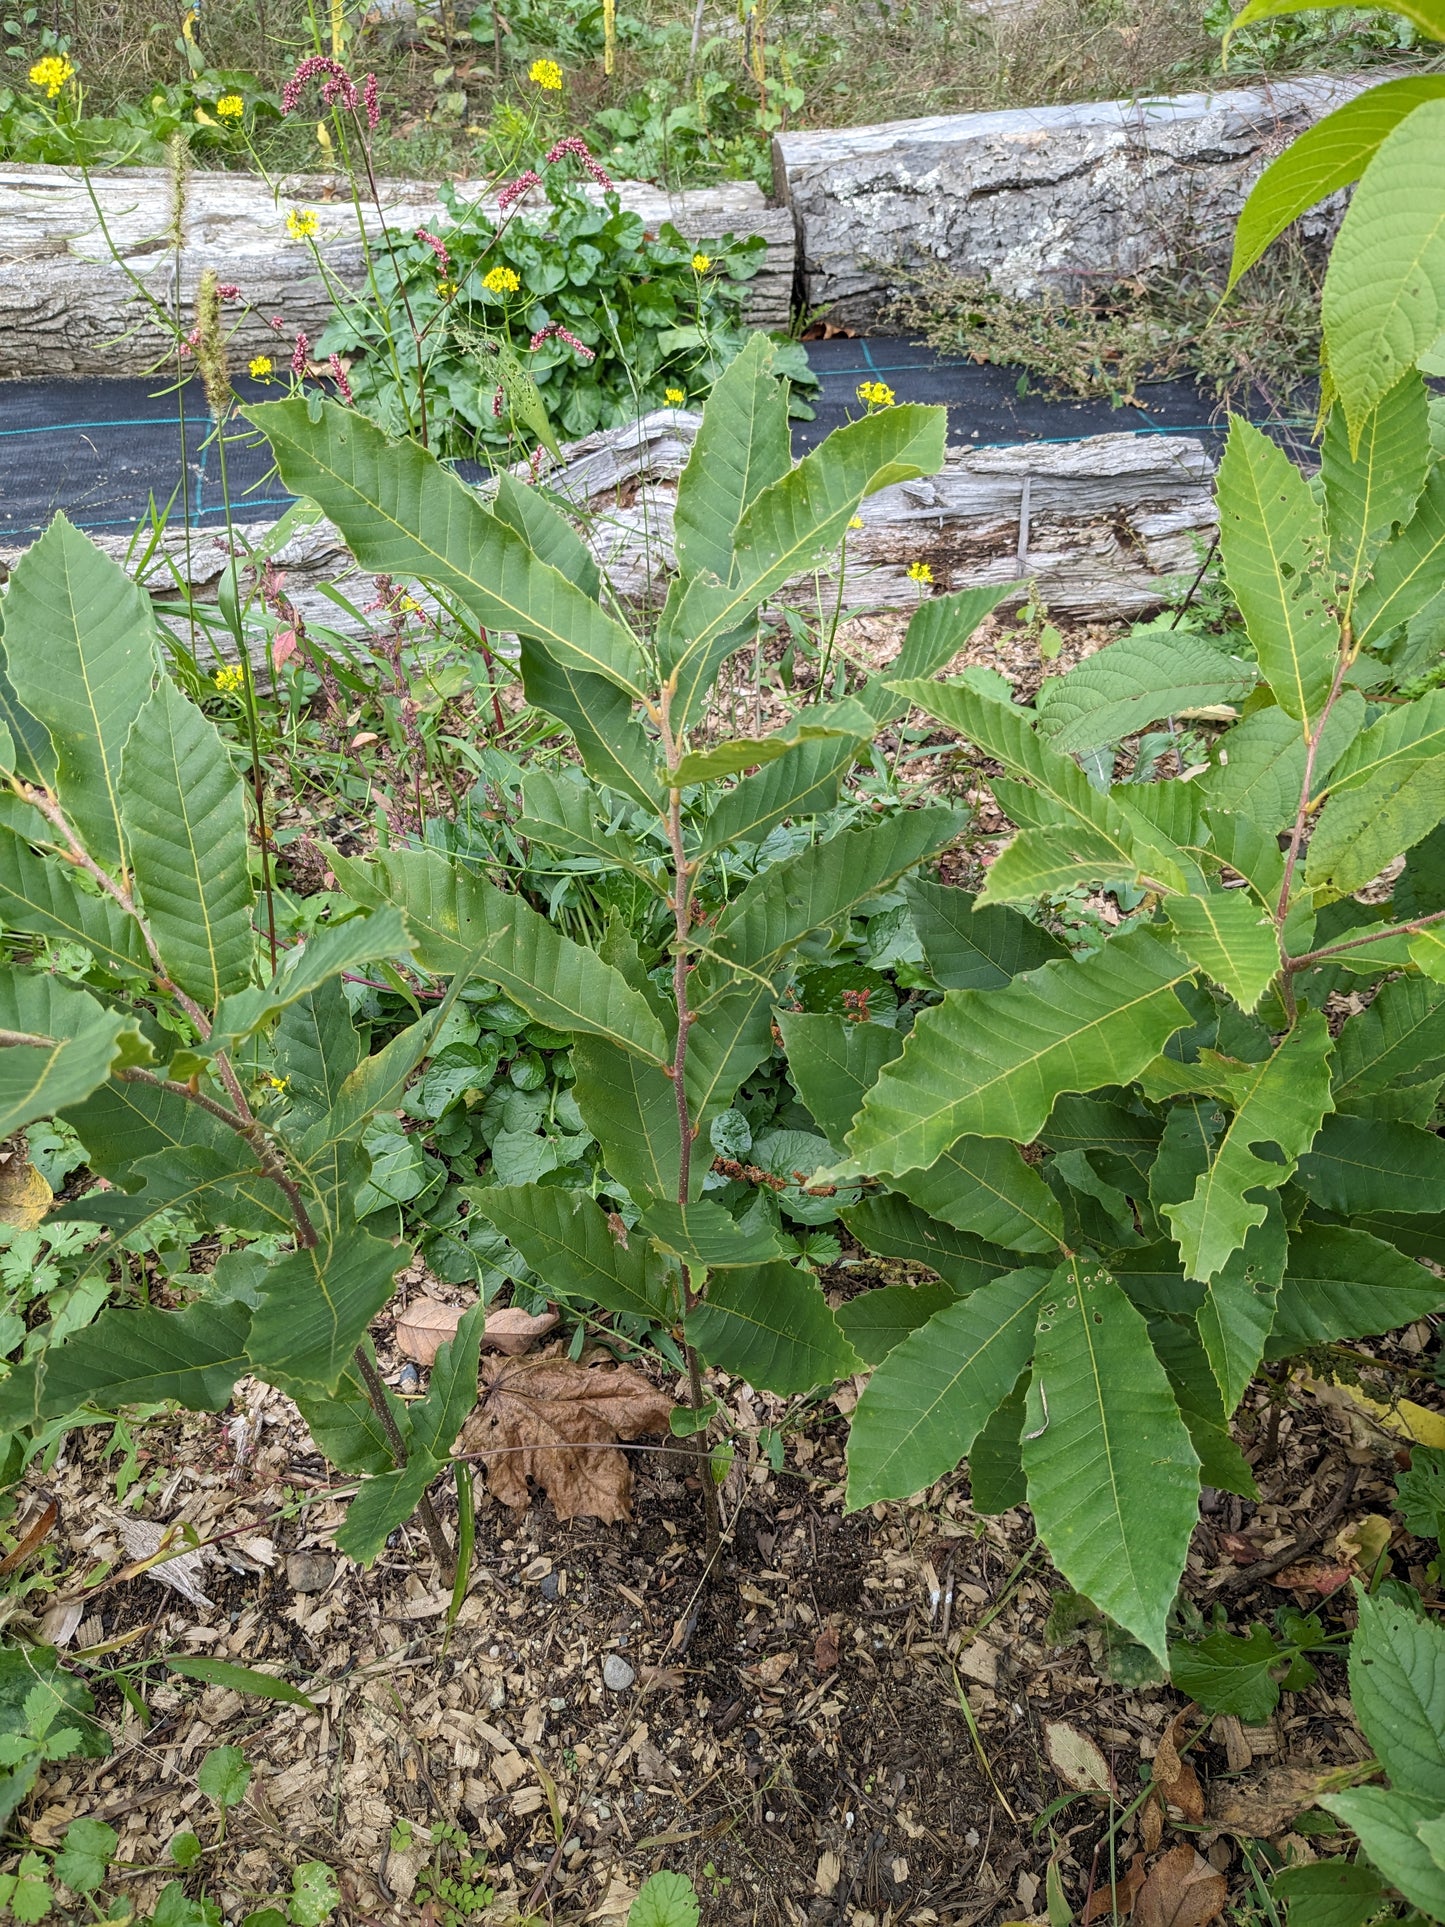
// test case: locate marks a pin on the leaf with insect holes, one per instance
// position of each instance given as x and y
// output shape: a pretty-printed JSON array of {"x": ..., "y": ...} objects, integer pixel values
[{"x": 558, "y": 1422}]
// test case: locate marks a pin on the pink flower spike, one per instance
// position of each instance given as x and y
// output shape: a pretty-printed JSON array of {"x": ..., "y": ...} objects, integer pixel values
[
  {"x": 514, "y": 190},
  {"x": 437, "y": 246},
  {"x": 343, "y": 386},
  {"x": 228, "y": 291},
  {"x": 278, "y": 324},
  {"x": 338, "y": 84},
  {"x": 298, "y": 359},
  {"x": 562, "y": 334},
  {"x": 497, "y": 401},
  {"x": 372, "y": 102},
  {"x": 578, "y": 151}
]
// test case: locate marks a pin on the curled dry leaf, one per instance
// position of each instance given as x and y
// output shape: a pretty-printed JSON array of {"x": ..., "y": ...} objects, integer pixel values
[
  {"x": 825, "y": 1650},
  {"x": 1181, "y": 1889},
  {"x": 427, "y": 1324},
  {"x": 1076, "y": 1759},
  {"x": 1176, "y": 1779},
  {"x": 1313, "y": 1575},
  {"x": 557, "y": 1422},
  {"x": 1118, "y": 1899},
  {"x": 25, "y": 1197},
  {"x": 1265, "y": 1802}
]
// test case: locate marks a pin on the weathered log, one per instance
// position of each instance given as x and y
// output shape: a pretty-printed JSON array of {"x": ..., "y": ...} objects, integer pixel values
[
  {"x": 1099, "y": 529},
  {"x": 69, "y": 307},
  {"x": 1060, "y": 197}
]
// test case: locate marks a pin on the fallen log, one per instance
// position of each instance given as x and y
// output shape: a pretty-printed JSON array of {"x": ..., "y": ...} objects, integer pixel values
[
  {"x": 1062, "y": 197},
  {"x": 69, "y": 306},
  {"x": 1099, "y": 529}
]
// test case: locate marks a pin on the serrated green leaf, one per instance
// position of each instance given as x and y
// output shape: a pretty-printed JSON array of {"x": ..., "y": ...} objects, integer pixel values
[
  {"x": 37, "y": 896},
  {"x": 306, "y": 967},
  {"x": 1144, "y": 676},
  {"x": 1226, "y": 1673},
  {"x": 707, "y": 1236},
  {"x": 666, "y": 1899},
  {"x": 316, "y": 1047},
  {"x": 1230, "y": 938},
  {"x": 772, "y": 1327},
  {"x": 928, "y": 1401},
  {"x": 134, "y": 1357},
  {"x": 459, "y": 922},
  {"x": 1397, "y": 1685},
  {"x": 983, "y": 1186},
  {"x": 1409, "y": 571},
  {"x": 1112, "y": 1476},
  {"x": 937, "y": 630},
  {"x": 845, "y": 719},
  {"x": 1272, "y": 542},
  {"x": 184, "y": 817},
  {"x": 1002, "y": 731},
  {"x": 993, "y": 1062},
  {"x": 344, "y": 1426},
  {"x": 1398, "y": 1039},
  {"x": 1261, "y": 763},
  {"x": 1341, "y": 1282},
  {"x": 567, "y": 1240},
  {"x": 969, "y": 948},
  {"x": 742, "y": 447},
  {"x": 1324, "y": 158},
  {"x": 1368, "y": 491},
  {"x": 803, "y": 781},
  {"x": 1177, "y": 1345},
  {"x": 80, "y": 649},
  {"x": 1278, "y": 1103},
  {"x": 403, "y": 514},
  {"x": 613, "y": 745},
  {"x": 833, "y": 1063},
  {"x": 630, "y": 1107},
  {"x": 789, "y": 527},
  {"x": 316, "y": 1303},
  {"x": 217, "y": 1184},
  {"x": 1055, "y": 863},
  {"x": 1235, "y": 1320},
  {"x": 1384, "y": 293},
  {"x": 725, "y": 1044},
  {"x": 822, "y": 884},
  {"x": 1388, "y": 1825},
  {"x": 996, "y": 1480},
  {"x": 893, "y": 1227},
  {"x": 878, "y": 1320},
  {"x": 1331, "y": 1893},
  {"x": 563, "y": 817},
  {"x": 1360, "y": 1164},
  {"x": 526, "y": 509},
  {"x": 84, "y": 1042}
]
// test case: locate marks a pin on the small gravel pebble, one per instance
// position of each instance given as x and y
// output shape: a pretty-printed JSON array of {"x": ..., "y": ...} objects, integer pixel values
[
  {"x": 617, "y": 1675},
  {"x": 309, "y": 1571},
  {"x": 549, "y": 1586}
]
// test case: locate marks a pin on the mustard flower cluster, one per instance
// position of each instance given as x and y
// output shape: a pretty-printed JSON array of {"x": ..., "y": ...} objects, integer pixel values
[
  {"x": 501, "y": 280},
  {"x": 303, "y": 223},
  {"x": 230, "y": 678},
  {"x": 876, "y": 394},
  {"x": 51, "y": 73},
  {"x": 547, "y": 75}
]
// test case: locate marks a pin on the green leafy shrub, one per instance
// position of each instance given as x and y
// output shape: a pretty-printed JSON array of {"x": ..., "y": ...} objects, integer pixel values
[{"x": 611, "y": 319}]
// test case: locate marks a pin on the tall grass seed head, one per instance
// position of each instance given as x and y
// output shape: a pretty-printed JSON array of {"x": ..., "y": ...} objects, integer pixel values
[
  {"x": 210, "y": 340},
  {"x": 51, "y": 73}
]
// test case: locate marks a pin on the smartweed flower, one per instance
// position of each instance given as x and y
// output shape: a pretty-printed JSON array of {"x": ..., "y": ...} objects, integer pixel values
[
  {"x": 438, "y": 248},
  {"x": 514, "y": 190},
  {"x": 51, "y": 73},
  {"x": 562, "y": 334},
  {"x": 579, "y": 151},
  {"x": 302, "y": 350},
  {"x": 338, "y": 375},
  {"x": 547, "y": 75},
  {"x": 302, "y": 224}
]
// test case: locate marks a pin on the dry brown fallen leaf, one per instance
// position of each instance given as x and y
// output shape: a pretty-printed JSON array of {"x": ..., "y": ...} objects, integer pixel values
[
  {"x": 25, "y": 1197},
  {"x": 427, "y": 1324},
  {"x": 1120, "y": 1898},
  {"x": 552, "y": 1420},
  {"x": 1181, "y": 1889},
  {"x": 1264, "y": 1803},
  {"x": 1076, "y": 1759},
  {"x": 1176, "y": 1779},
  {"x": 825, "y": 1650}
]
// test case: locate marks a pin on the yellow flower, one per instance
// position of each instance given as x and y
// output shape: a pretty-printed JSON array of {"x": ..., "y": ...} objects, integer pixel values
[
  {"x": 855, "y": 522},
  {"x": 547, "y": 75},
  {"x": 260, "y": 367},
  {"x": 230, "y": 107},
  {"x": 230, "y": 678},
  {"x": 501, "y": 280},
  {"x": 919, "y": 572},
  {"x": 446, "y": 289},
  {"x": 674, "y": 397},
  {"x": 408, "y": 605},
  {"x": 279, "y": 1083},
  {"x": 302, "y": 223},
  {"x": 51, "y": 74},
  {"x": 701, "y": 263},
  {"x": 877, "y": 394}
]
